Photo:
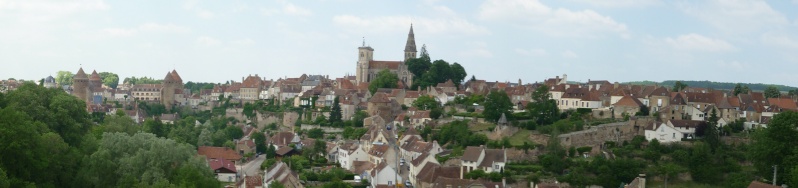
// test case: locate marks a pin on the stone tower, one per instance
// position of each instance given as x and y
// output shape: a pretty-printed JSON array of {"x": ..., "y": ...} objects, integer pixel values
[
  {"x": 80, "y": 85},
  {"x": 95, "y": 81},
  {"x": 365, "y": 55},
  {"x": 171, "y": 84},
  {"x": 410, "y": 47}
]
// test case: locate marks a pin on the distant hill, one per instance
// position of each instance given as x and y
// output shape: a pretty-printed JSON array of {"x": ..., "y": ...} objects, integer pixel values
[{"x": 713, "y": 85}]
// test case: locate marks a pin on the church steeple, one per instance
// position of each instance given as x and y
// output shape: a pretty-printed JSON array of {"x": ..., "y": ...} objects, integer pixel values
[{"x": 410, "y": 47}]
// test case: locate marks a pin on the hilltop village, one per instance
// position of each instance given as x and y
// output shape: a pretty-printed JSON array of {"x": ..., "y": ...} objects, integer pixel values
[{"x": 451, "y": 131}]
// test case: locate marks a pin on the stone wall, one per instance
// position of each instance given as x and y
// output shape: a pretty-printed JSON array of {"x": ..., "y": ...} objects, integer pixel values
[
  {"x": 325, "y": 129},
  {"x": 596, "y": 136},
  {"x": 289, "y": 118},
  {"x": 264, "y": 119}
]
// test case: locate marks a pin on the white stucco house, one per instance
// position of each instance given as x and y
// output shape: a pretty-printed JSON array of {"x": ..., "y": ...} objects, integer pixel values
[{"x": 673, "y": 130}]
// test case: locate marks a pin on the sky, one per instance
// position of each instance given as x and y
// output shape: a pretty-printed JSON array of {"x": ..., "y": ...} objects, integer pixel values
[{"x": 496, "y": 40}]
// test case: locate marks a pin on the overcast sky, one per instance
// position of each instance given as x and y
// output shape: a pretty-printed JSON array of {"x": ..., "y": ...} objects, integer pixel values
[{"x": 496, "y": 40}]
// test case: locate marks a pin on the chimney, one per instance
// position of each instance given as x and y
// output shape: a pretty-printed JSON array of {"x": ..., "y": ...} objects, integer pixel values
[
  {"x": 642, "y": 181},
  {"x": 615, "y": 85}
]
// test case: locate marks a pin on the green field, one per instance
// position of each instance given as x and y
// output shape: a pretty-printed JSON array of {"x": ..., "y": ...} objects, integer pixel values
[{"x": 520, "y": 137}]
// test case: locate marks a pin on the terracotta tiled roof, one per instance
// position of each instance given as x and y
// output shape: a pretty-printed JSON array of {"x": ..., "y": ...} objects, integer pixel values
[
  {"x": 218, "y": 153},
  {"x": 629, "y": 102},
  {"x": 217, "y": 164},
  {"x": 253, "y": 181},
  {"x": 94, "y": 75},
  {"x": 448, "y": 83},
  {"x": 785, "y": 103},
  {"x": 379, "y": 98},
  {"x": 392, "y": 65},
  {"x": 362, "y": 166},
  {"x": 81, "y": 74},
  {"x": 757, "y": 184},
  {"x": 176, "y": 76},
  {"x": 252, "y": 82}
]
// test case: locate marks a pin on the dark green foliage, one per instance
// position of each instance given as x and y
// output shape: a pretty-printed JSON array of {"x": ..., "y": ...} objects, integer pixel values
[
  {"x": 152, "y": 109},
  {"x": 143, "y": 80},
  {"x": 354, "y": 133},
  {"x": 428, "y": 73},
  {"x": 776, "y": 145},
  {"x": 315, "y": 133},
  {"x": 358, "y": 118},
  {"x": 384, "y": 79},
  {"x": 496, "y": 104},
  {"x": 739, "y": 88},
  {"x": 335, "y": 112},
  {"x": 62, "y": 113},
  {"x": 678, "y": 86},
  {"x": 543, "y": 109},
  {"x": 109, "y": 79},
  {"x": 196, "y": 87},
  {"x": 716, "y": 85},
  {"x": 260, "y": 141},
  {"x": 772, "y": 92},
  {"x": 456, "y": 133}
]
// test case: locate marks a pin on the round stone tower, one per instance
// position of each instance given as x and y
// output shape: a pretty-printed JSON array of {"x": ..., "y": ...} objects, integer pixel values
[{"x": 80, "y": 85}]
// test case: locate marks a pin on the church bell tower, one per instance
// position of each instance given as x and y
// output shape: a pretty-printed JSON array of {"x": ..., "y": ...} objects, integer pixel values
[{"x": 410, "y": 47}]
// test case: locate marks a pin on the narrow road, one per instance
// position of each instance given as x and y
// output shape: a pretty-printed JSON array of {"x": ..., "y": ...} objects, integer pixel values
[{"x": 252, "y": 168}]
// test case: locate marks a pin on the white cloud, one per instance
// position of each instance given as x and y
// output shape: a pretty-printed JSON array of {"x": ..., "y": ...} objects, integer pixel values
[
  {"x": 287, "y": 9},
  {"x": 479, "y": 49},
  {"x": 193, "y": 5},
  {"x": 732, "y": 65},
  {"x": 736, "y": 16},
  {"x": 780, "y": 40},
  {"x": 47, "y": 10},
  {"x": 291, "y": 9},
  {"x": 536, "y": 52},
  {"x": 246, "y": 41},
  {"x": 620, "y": 3},
  {"x": 696, "y": 42},
  {"x": 535, "y": 15},
  {"x": 568, "y": 54},
  {"x": 146, "y": 27},
  {"x": 440, "y": 25},
  {"x": 207, "y": 41}
]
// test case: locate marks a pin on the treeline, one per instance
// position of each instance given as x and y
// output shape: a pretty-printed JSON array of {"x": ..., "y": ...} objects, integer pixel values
[
  {"x": 48, "y": 140},
  {"x": 714, "y": 85},
  {"x": 430, "y": 73}
]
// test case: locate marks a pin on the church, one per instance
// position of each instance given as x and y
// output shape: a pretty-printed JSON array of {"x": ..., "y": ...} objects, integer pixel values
[{"x": 367, "y": 67}]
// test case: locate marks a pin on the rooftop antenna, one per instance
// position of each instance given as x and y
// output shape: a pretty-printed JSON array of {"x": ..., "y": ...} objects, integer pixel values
[{"x": 364, "y": 41}]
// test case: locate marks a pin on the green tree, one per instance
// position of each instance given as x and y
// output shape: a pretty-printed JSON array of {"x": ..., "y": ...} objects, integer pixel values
[
  {"x": 61, "y": 112},
  {"x": 668, "y": 170},
  {"x": 458, "y": 74},
  {"x": 543, "y": 109},
  {"x": 711, "y": 135},
  {"x": 776, "y": 145},
  {"x": 702, "y": 166},
  {"x": 120, "y": 124},
  {"x": 772, "y": 92},
  {"x": 496, "y": 104},
  {"x": 109, "y": 79},
  {"x": 678, "y": 86},
  {"x": 64, "y": 77},
  {"x": 384, "y": 79},
  {"x": 205, "y": 138},
  {"x": 335, "y": 112},
  {"x": 426, "y": 102},
  {"x": 739, "y": 88},
  {"x": 358, "y": 118},
  {"x": 145, "y": 160},
  {"x": 260, "y": 141},
  {"x": 316, "y": 133},
  {"x": 276, "y": 184}
]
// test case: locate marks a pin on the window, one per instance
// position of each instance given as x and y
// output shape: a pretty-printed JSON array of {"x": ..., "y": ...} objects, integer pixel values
[
  {"x": 674, "y": 135},
  {"x": 390, "y": 182}
]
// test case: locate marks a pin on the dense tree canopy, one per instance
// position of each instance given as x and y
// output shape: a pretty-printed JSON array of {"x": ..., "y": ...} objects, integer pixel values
[
  {"x": 109, "y": 79},
  {"x": 678, "y": 86},
  {"x": 430, "y": 73},
  {"x": 496, "y": 104},
  {"x": 384, "y": 79},
  {"x": 64, "y": 77},
  {"x": 777, "y": 145},
  {"x": 772, "y": 92},
  {"x": 143, "y": 80},
  {"x": 543, "y": 109},
  {"x": 739, "y": 88}
]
